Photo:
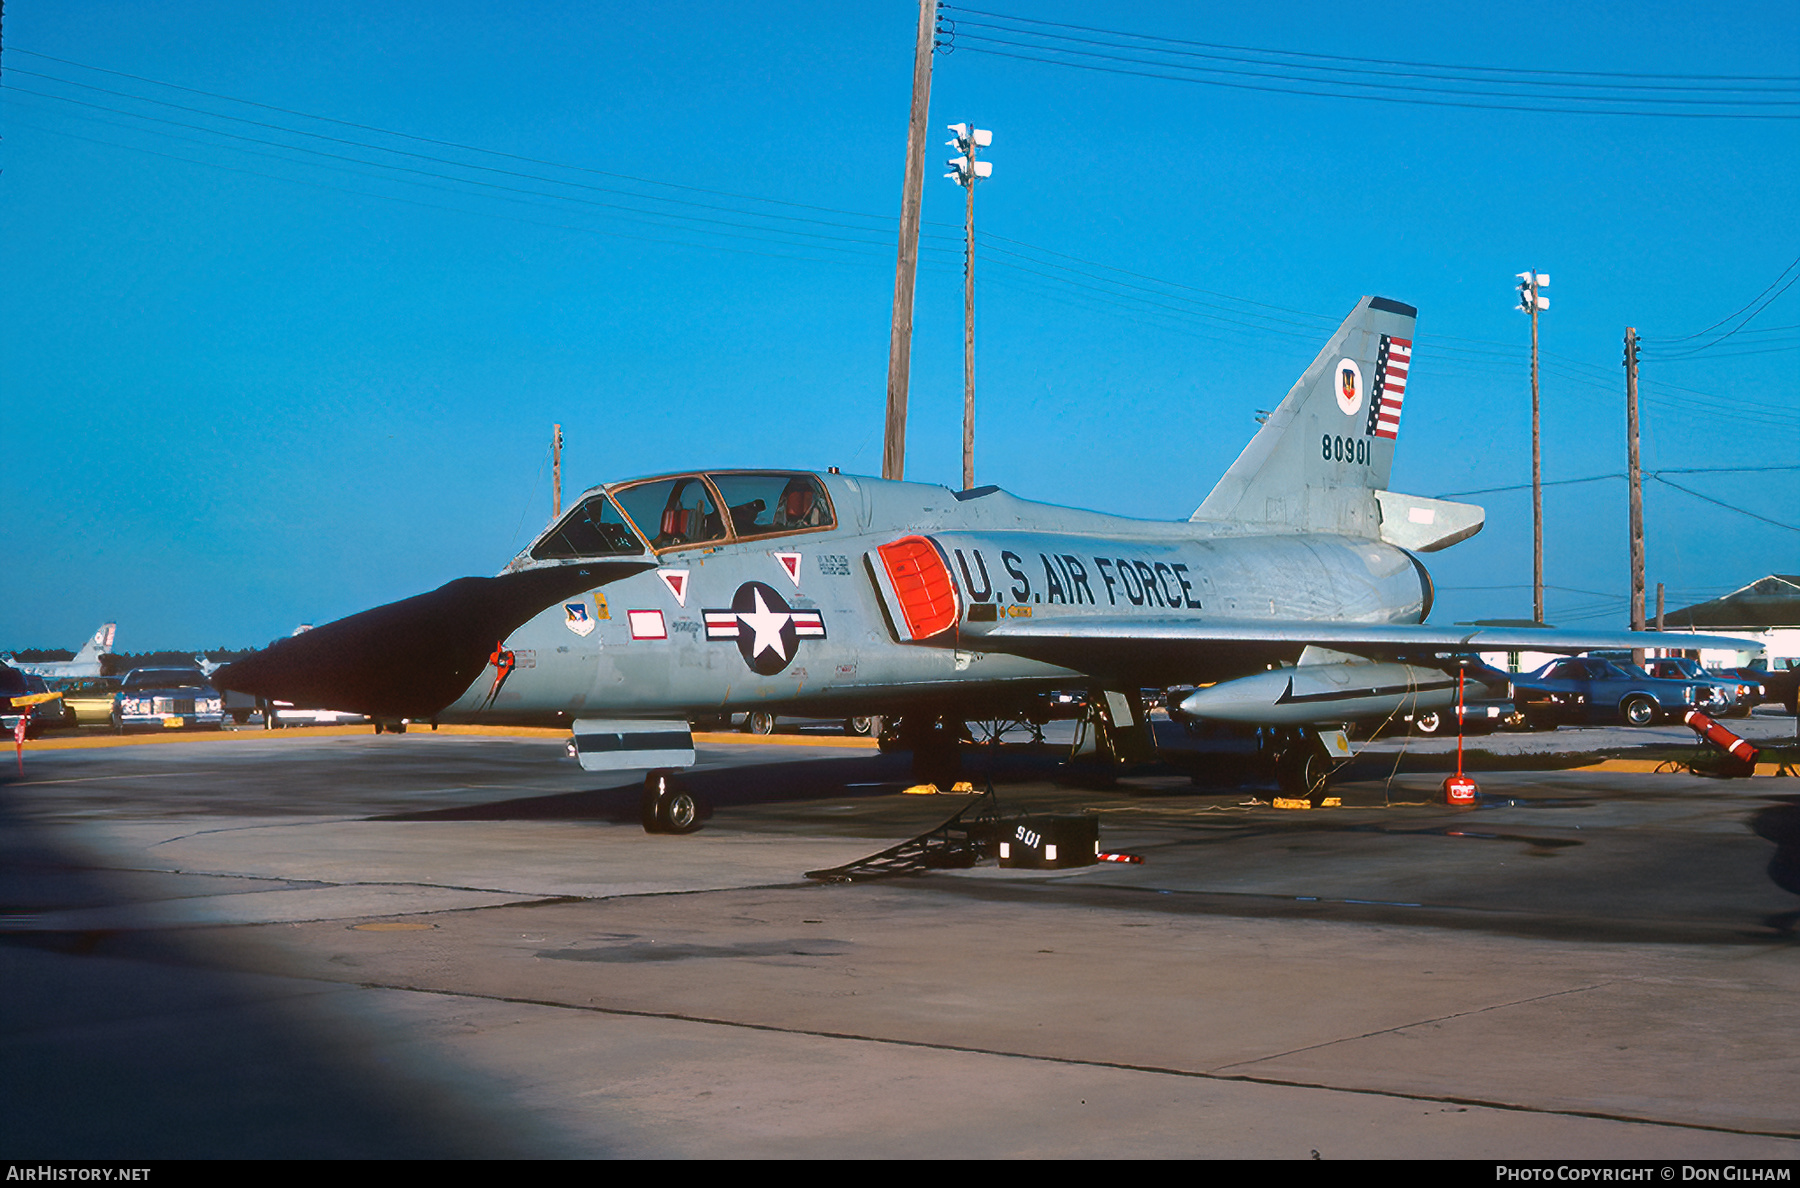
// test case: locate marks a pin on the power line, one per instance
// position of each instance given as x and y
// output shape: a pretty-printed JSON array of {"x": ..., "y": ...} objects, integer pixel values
[
  {"x": 1772, "y": 298},
  {"x": 648, "y": 181},
  {"x": 1374, "y": 61},
  {"x": 1596, "y": 478},
  {"x": 1535, "y": 98},
  {"x": 1729, "y": 316},
  {"x": 1720, "y": 502},
  {"x": 1116, "y": 287}
]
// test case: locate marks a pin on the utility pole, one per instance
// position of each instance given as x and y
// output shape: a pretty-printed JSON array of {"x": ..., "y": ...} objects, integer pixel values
[
  {"x": 1636, "y": 482},
  {"x": 965, "y": 171},
  {"x": 556, "y": 474},
  {"x": 1531, "y": 301},
  {"x": 893, "y": 451}
]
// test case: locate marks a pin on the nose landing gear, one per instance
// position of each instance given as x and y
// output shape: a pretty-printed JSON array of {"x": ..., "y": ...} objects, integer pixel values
[{"x": 667, "y": 807}]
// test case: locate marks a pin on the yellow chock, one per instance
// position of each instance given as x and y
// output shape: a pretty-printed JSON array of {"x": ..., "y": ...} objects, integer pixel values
[
  {"x": 1288, "y": 802},
  {"x": 962, "y": 788},
  {"x": 921, "y": 790},
  {"x": 1332, "y": 802}
]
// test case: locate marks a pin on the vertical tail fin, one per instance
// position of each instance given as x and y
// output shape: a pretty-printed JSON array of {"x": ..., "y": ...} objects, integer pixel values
[
  {"x": 93, "y": 649},
  {"x": 1328, "y": 447}
]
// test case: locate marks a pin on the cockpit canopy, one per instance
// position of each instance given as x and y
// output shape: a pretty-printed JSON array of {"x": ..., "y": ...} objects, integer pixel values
[{"x": 683, "y": 511}]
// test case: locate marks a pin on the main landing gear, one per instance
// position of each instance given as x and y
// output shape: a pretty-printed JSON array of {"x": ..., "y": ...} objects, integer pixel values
[
  {"x": 1302, "y": 765},
  {"x": 668, "y": 807}
]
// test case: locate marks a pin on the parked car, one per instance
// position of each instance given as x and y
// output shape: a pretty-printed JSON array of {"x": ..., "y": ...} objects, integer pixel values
[
  {"x": 1718, "y": 696},
  {"x": 90, "y": 699},
  {"x": 25, "y": 697},
  {"x": 166, "y": 699},
  {"x": 1484, "y": 707},
  {"x": 1775, "y": 682},
  {"x": 1586, "y": 689}
]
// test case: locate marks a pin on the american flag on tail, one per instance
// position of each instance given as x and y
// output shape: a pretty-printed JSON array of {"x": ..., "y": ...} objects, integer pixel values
[{"x": 1390, "y": 386}]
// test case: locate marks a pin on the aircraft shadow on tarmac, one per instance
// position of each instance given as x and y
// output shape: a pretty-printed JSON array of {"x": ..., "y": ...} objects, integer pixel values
[
  {"x": 862, "y": 777},
  {"x": 808, "y": 779}
]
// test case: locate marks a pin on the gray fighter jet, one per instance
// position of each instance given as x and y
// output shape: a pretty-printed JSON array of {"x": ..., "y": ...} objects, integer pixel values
[
  {"x": 85, "y": 664},
  {"x": 1293, "y": 597}
]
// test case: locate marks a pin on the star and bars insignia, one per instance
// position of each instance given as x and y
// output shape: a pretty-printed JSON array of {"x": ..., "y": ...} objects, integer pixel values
[{"x": 768, "y": 631}]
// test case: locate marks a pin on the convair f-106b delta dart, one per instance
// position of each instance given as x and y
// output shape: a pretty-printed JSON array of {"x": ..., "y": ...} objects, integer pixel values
[{"x": 1294, "y": 596}]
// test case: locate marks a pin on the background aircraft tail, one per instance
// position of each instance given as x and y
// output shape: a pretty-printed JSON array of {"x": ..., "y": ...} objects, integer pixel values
[
  {"x": 93, "y": 649},
  {"x": 1320, "y": 458}
]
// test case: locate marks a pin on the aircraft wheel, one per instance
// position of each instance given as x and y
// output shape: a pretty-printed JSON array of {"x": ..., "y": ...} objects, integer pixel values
[
  {"x": 1303, "y": 771},
  {"x": 862, "y": 726},
  {"x": 667, "y": 807},
  {"x": 1429, "y": 722},
  {"x": 679, "y": 812},
  {"x": 1638, "y": 711},
  {"x": 759, "y": 722}
]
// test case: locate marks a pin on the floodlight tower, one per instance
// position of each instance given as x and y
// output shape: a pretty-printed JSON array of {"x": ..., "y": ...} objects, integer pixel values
[
  {"x": 1533, "y": 302},
  {"x": 965, "y": 171}
]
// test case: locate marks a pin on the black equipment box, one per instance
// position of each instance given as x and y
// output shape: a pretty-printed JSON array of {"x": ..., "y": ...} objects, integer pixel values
[{"x": 1049, "y": 843}]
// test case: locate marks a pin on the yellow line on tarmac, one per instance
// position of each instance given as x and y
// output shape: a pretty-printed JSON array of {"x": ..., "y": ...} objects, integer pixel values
[
  {"x": 299, "y": 733},
  {"x": 1646, "y": 766},
  {"x": 857, "y": 741}
]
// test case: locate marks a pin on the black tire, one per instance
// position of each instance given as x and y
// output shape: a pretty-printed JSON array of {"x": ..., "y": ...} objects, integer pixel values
[
  {"x": 656, "y": 786},
  {"x": 667, "y": 807},
  {"x": 1304, "y": 771},
  {"x": 1638, "y": 711},
  {"x": 759, "y": 722},
  {"x": 1429, "y": 722}
]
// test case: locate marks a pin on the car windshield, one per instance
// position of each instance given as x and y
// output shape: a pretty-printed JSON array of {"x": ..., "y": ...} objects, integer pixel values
[
  {"x": 594, "y": 529},
  {"x": 166, "y": 678},
  {"x": 89, "y": 685}
]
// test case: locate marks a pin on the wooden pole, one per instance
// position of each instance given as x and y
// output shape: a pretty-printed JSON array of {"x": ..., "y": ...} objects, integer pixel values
[
  {"x": 1636, "y": 477},
  {"x": 893, "y": 452},
  {"x": 556, "y": 474}
]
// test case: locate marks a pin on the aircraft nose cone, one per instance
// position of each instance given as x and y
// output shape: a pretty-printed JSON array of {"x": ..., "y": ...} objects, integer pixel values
[{"x": 410, "y": 659}]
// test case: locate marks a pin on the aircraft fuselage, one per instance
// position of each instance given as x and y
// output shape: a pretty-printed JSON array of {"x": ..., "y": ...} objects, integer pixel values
[{"x": 803, "y": 623}]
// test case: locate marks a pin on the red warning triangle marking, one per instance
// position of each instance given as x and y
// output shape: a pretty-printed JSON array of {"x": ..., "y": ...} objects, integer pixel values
[
  {"x": 790, "y": 564},
  {"x": 677, "y": 582}
]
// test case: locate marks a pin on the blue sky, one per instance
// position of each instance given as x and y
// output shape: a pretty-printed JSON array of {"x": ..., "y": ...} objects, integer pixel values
[{"x": 262, "y": 369}]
